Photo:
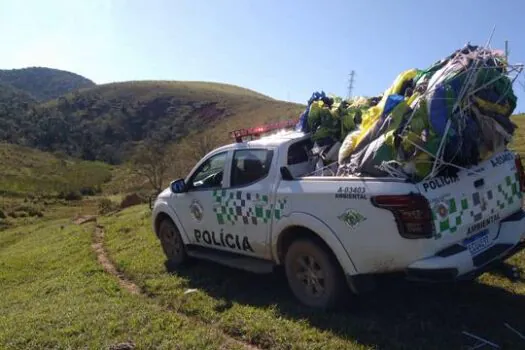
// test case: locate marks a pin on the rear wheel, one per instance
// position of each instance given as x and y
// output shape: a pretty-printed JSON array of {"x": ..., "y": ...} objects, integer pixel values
[
  {"x": 172, "y": 244},
  {"x": 313, "y": 274}
]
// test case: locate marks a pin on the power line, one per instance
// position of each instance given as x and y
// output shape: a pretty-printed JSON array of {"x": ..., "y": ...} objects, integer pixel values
[{"x": 351, "y": 84}]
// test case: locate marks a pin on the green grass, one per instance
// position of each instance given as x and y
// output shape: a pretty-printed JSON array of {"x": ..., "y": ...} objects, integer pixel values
[
  {"x": 31, "y": 183},
  {"x": 56, "y": 296},
  {"x": 261, "y": 310},
  {"x": 25, "y": 170},
  {"x": 185, "y": 88}
]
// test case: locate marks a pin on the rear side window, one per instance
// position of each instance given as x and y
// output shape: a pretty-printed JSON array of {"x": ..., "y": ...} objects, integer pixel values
[
  {"x": 250, "y": 166},
  {"x": 298, "y": 152}
]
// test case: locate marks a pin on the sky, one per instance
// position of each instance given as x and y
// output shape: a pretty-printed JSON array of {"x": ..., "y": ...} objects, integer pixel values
[{"x": 285, "y": 49}]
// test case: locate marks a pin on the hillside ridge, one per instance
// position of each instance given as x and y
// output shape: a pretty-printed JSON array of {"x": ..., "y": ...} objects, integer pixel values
[
  {"x": 106, "y": 122},
  {"x": 44, "y": 83}
]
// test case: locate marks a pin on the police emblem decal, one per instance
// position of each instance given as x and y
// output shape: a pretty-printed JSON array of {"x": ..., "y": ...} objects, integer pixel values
[{"x": 196, "y": 210}]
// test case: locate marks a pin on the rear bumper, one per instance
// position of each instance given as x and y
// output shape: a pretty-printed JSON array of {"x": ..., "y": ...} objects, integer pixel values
[{"x": 456, "y": 262}]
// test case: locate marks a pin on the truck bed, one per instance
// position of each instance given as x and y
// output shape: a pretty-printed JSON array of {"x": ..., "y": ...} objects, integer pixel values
[{"x": 466, "y": 210}]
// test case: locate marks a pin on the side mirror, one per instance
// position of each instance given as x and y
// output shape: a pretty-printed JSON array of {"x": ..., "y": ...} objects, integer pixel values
[
  {"x": 286, "y": 174},
  {"x": 178, "y": 186}
]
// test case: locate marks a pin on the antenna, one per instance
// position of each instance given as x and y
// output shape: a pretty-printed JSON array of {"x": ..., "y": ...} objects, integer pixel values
[
  {"x": 351, "y": 84},
  {"x": 487, "y": 45},
  {"x": 507, "y": 52}
]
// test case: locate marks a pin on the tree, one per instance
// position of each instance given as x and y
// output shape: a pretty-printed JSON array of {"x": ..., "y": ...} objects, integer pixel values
[
  {"x": 189, "y": 151},
  {"x": 157, "y": 160},
  {"x": 195, "y": 146},
  {"x": 152, "y": 160}
]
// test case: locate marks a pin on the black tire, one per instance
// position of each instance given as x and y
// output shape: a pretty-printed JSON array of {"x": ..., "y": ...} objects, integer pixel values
[
  {"x": 172, "y": 244},
  {"x": 313, "y": 274}
]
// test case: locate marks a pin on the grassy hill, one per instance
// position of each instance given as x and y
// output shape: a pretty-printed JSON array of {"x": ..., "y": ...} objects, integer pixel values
[
  {"x": 73, "y": 303},
  {"x": 34, "y": 183},
  {"x": 44, "y": 83},
  {"x": 55, "y": 295},
  {"x": 26, "y": 170},
  {"x": 42, "y": 161},
  {"x": 106, "y": 122}
]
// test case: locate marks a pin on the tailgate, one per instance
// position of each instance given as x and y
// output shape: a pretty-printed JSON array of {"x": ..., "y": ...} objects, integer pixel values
[{"x": 468, "y": 208}]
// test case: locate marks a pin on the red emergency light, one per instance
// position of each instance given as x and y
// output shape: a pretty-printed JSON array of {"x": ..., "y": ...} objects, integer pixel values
[{"x": 239, "y": 134}]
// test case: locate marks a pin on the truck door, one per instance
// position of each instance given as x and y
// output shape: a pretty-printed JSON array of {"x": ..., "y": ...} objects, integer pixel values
[
  {"x": 244, "y": 210},
  {"x": 195, "y": 206}
]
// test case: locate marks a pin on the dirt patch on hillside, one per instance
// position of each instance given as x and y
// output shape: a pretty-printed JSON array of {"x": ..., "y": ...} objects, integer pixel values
[
  {"x": 131, "y": 200},
  {"x": 79, "y": 220}
]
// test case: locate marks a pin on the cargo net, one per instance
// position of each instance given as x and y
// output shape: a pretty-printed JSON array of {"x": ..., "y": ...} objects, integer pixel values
[{"x": 430, "y": 122}]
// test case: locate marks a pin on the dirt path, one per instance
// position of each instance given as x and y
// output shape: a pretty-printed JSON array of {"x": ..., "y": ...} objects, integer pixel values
[
  {"x": 102, "y": 257},
  {"x": 131, "y": 287}
]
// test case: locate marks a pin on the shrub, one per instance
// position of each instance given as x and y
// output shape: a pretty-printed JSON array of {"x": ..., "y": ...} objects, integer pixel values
[
  {"x": 89, "y": 191},
  {"x": 70, "y": 196},
  {"x": 27, "y": 210},
  {"x": 2, "y": 214}
]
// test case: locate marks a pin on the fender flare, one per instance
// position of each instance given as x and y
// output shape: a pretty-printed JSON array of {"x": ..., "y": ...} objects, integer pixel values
[
  {"x": 162, "y": 207},
  {"x": 323, "y": 231}
]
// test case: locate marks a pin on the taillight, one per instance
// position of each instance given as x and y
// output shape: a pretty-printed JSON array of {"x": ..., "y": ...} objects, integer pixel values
[
  {"x": 519, "y": 170},
  {"x": 412, "y": 213}
]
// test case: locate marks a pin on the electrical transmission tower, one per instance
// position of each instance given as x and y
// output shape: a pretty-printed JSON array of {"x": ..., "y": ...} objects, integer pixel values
[{"x": 351, "y": 84}]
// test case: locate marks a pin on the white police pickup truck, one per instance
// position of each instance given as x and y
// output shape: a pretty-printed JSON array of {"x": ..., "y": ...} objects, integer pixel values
[{"x": 250, "y": 205}]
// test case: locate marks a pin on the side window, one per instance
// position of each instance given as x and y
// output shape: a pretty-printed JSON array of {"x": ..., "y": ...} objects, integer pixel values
[
  {"x": 250, "y": 165},
  {"x": 298, "y": 152},
  {"x": 209, "y": 174}
]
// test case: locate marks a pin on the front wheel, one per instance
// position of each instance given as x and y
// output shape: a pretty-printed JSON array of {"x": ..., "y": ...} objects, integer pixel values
[
  {"x": 172, "y": 244},
  {"x": 314, "y": 275}
]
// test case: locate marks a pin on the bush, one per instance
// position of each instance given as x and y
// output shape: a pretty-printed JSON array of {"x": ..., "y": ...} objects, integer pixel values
[
  {"x": 106, "y": 205},
  {"x": 27, "y": 210},
  {"x": 2, "y": 214},
  {"x": 70, "y": 196},
  {"x": 89, "y": 191},
  {"x": 21, "y": 214}
]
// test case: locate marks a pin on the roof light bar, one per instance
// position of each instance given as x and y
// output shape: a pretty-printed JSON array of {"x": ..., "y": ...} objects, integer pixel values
[{"x": 239, "y": 134}]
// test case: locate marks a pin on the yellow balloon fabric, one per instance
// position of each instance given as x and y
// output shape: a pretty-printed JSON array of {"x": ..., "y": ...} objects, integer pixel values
[{"x": 372, "y": 115}]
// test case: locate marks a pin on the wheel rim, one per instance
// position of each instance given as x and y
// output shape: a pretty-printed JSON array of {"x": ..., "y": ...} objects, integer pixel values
[
  {"x": 171, "y": 242},
  {"x": 310, "y": 275}
]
